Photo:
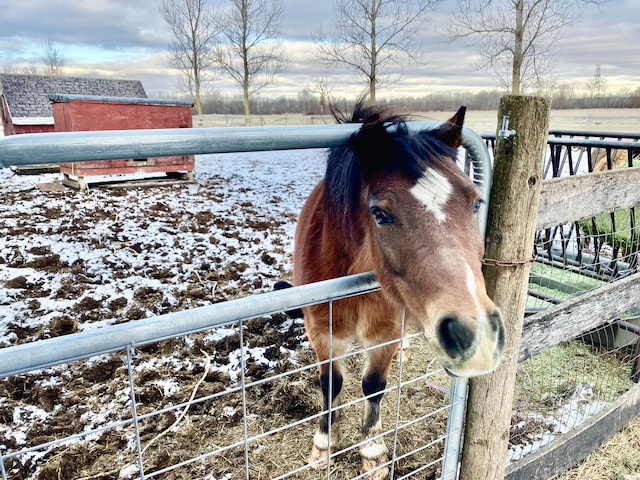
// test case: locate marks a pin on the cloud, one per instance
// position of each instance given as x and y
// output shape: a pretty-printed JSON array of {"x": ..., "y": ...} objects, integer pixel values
[
  {"x": 128, "y": 39},
  {"x": 108, "y": 23}
]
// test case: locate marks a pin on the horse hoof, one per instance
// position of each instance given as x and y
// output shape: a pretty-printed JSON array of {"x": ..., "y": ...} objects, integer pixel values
[
  {"x": 375, "y": 468},
  {"x": 318, "y": 458}
]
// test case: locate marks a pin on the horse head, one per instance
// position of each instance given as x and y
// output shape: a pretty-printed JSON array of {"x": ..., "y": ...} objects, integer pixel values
[{"x": 418, "y": 212}]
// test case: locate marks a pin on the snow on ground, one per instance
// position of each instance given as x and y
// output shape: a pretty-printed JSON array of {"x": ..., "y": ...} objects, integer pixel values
[{"x": 130, "y": 253}]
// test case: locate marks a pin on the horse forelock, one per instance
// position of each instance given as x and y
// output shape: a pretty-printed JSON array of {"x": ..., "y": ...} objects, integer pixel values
[{"x": 383, "y": 144}]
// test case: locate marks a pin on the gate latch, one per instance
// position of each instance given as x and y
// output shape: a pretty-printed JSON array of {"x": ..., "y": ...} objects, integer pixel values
[{"x": 504, "y": 131}]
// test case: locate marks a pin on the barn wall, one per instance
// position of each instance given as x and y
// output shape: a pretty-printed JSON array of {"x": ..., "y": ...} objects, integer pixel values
[{"x": 79, "y": 115}]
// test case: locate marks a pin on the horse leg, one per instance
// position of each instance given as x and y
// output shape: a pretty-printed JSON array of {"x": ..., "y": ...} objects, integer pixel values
[
  {"x": 404, "y": 347},
  {"x": 374, "y": 451},
  {"x": 323, "y": 445}
]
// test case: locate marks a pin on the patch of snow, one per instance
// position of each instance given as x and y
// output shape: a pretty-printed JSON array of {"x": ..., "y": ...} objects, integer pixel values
[{"x": 580, "y": 407}]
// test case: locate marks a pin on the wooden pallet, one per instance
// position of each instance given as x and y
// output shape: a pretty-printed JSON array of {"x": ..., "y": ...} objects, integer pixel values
[
  {"x": 171, "y": 178},
  {"x": 37, "y": 169}
]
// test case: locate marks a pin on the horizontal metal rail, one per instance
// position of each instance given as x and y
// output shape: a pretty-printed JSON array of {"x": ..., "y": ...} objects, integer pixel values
[
  {"x": 585, "y": 142},
  {"x": 63, "y": 147},
  {"x": 597, "y": 133},
  {"x": 593, "y": 143},
  {"x": 584, "y": 134},
  {"x": 76, "y": 346}
]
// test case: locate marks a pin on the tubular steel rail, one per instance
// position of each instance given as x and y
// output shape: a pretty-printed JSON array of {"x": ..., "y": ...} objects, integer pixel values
[
  {"x": 77, "y": 346},
  {"x": 571, "y": 152},
  {"x": 104, "y": 145}
]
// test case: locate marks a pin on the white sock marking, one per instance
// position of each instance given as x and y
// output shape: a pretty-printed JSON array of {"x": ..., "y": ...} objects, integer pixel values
[
  {"x": 433, "y": 190},
  {"x": 373, "y": 449},
  {"x": 321, "y": 440}
]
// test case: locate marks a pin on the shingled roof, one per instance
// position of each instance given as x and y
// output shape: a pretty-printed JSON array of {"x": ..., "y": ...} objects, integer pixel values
[{"x": 28, "y": 95}]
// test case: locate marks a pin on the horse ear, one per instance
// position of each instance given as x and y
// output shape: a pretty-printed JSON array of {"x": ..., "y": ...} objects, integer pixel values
[{"x": 450, "y": 132}]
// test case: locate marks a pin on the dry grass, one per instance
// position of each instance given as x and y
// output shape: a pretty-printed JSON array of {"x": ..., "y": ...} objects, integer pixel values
[
  {"x": 278, "y": 453},
  {"x": 547, "y": 388},
  {"x": 616, "y": 459}
]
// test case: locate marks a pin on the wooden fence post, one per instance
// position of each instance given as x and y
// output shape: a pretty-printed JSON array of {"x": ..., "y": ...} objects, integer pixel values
[{"x": 515, "y": 197}]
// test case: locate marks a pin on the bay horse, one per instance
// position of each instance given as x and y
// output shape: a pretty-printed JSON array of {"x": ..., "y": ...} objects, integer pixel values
[{"x": 395, "y": 203}]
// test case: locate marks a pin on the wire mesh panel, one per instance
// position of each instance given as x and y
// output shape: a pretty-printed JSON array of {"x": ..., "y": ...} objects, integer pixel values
[
  {"x": 560, "y": 389},
  {"x": 233, "y": 402}
]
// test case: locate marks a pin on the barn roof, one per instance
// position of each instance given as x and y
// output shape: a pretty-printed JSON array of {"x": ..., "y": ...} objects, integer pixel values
[{"x": 28, "y": 95}]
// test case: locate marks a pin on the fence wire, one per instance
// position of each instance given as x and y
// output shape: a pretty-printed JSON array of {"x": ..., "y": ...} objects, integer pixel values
[
  {"x": 563, "y": 387},
  {"x": 219, "y": 404}
]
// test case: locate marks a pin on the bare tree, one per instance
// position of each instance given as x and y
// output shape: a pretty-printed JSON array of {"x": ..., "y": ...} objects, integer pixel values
[
  {"x": 515, "y": 38},
  {"x": 53, "y": 59},
  {"x": 371, "y": 36},
  {"x": 193, "y": 26},
  {"x": 250, "y": 52},
  {"x": 322, "y": 89},
  {"x": 30, "y": 69}
]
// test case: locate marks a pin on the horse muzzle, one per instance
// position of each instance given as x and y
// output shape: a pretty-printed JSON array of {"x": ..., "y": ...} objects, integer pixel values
[{"x": 469, "y": 349}]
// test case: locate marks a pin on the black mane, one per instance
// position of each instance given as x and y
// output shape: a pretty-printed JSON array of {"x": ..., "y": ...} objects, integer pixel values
[{"x": 383, "y": 144}]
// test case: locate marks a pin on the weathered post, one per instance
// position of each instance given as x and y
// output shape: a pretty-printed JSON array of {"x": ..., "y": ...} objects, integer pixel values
[{"x": 515, "y": 197}]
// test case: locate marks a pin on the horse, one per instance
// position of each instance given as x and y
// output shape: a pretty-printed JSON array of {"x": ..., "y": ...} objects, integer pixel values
[
  {"x": 396, "y": 203},
  {"x": 618, "y": 158}
]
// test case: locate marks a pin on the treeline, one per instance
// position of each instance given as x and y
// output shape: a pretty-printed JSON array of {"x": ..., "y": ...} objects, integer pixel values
[{"x": 310, "y": 104}]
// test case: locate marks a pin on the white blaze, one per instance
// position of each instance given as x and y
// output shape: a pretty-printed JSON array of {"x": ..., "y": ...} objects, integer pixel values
[
  {"x": 473, "y": 289},
  {"x": 433, "y": 190}
]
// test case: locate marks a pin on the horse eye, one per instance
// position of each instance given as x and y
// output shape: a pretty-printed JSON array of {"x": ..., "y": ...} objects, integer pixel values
[
  {"x": 381, "y": 217},
  {"x": 477, "y": 205}
]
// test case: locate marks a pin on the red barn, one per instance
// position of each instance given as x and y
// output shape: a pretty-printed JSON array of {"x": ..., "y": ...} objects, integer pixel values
[
  {"x": 25, "y": 105},
  {"x": 73, "y": 113}
]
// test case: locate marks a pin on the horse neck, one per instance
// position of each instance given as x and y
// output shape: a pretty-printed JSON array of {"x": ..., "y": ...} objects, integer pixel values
[{"x": 349, "y": 241}]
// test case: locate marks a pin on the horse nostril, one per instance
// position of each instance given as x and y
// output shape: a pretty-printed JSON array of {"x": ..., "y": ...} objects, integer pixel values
[
  {"x": 455, "y": 337},
  {"x": 495, "y": 321},
  {"x": 497, "y": 327}
]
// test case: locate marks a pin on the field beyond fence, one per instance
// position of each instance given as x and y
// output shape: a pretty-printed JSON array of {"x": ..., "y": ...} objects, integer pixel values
[{"x": 606, "y": 119}]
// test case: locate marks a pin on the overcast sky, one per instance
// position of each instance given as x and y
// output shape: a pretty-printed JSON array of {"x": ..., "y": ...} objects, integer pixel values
[{"x": 128, "y": 39}]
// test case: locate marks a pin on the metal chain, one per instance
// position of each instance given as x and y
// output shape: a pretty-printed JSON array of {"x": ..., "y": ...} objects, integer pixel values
[{"x": 507, "y": 263}]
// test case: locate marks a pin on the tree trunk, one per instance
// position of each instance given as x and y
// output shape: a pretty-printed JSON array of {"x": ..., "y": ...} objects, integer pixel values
[
  {"x": 516, "y": 70},
  {"x": 245, "y": 99},
  {"x": 196, "y": 97},
  {"x": 374, "y": 55},
  {"x": 245, "y": 57},
  {"x": 515, "y": 197}
]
